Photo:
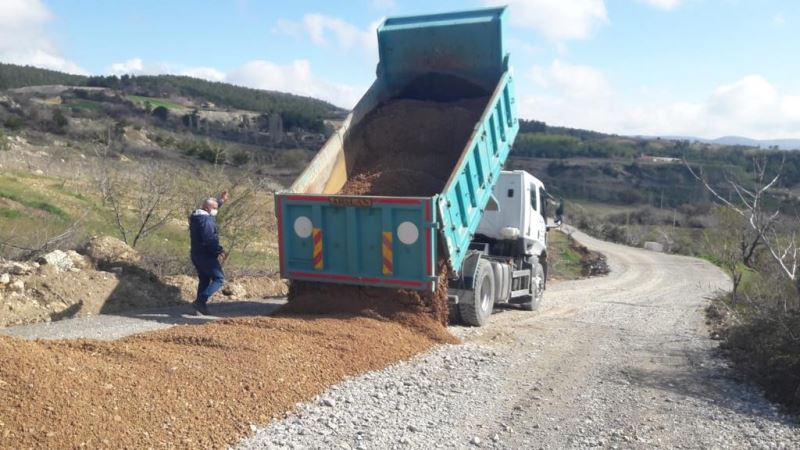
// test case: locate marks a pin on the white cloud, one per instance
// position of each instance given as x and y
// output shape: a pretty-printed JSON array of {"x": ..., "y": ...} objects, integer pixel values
[
  {"x": 133, "y": 66},
  {"x": 666, "y": 5},
  {"x": 136, "y": 66},
  {"x": 583, "y": 97},
  {"x": 329, "y": 31},
  {"x": 575, "y": 81},
  {"x": 297, "y": 78},
  {"x": 206, "y": 73},
  {"x": 779, "y": 20},
  {"x": 24, "y": 39},
  {"x": 557, "y": 20}
]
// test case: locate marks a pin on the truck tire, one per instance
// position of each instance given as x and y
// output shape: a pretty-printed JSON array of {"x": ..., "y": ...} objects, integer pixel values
[
  {"x": 536, "y": 288},
  {"x": 476, "y": 306}
]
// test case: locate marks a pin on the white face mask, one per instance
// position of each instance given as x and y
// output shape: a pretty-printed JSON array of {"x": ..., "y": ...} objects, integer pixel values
[{"x": 214, "y": 212}]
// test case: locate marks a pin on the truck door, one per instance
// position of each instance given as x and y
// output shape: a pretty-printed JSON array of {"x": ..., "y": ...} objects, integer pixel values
[{"x": 536, "y": 221}]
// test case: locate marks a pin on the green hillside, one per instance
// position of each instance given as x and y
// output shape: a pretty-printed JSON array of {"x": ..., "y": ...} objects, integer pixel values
[
  {"x": 296, "y": 110},
  {"x": 14, "y": 76},
  {"x": 598, "y": 167}
]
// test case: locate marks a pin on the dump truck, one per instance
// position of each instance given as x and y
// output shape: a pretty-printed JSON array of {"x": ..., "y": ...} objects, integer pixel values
[{"x": 484, "y": 226}]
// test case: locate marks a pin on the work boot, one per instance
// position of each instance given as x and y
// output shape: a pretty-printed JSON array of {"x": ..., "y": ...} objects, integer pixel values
[{"x": 200, "y": 308}]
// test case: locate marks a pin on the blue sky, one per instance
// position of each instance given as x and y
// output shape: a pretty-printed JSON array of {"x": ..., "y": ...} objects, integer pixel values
[{"x": 659, "y": 67}]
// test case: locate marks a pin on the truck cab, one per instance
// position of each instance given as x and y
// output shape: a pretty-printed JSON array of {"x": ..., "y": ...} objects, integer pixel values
[
  {"x": 507, "y": 260},
  {"x": 520, "y": 212}
]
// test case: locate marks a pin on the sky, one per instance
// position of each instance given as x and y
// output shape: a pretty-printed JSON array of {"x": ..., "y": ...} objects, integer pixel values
[{"x": 703, "y": 68}]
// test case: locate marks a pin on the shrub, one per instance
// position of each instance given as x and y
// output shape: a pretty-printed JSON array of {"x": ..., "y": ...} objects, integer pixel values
[
  {"x": 291, "y": 159},
  {"x": 240, "y": 158},
  {"x": 767, "y": 349},
  {"x": 14, "y": 123},
  {"x": 161, "y": 112}
]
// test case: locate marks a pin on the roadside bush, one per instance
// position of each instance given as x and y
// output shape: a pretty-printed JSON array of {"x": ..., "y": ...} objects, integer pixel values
[
  {"x": 767, "y": 349},
  {"x": 14, "y": 123},
  {"x": 240, "y": 158},
  {"x": 292, "y": 159}
]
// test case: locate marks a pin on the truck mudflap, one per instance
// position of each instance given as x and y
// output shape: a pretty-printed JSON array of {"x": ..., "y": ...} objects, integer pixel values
[{"x": 360, "y": 240}]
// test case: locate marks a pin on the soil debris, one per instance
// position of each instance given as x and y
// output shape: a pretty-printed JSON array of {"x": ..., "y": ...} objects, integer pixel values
[
  {"x": 414, "y": 159},
  {"x": 196, "y": 386}
]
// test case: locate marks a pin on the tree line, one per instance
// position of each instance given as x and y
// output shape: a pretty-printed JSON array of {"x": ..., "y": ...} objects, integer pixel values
[{"x": 296, "y": 111}]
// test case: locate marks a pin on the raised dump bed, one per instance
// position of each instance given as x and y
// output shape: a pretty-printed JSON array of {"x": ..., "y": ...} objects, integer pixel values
[{"x": 402, "y": 185}]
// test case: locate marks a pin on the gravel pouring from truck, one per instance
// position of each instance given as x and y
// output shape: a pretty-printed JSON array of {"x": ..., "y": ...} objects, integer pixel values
[{"x": 398, "y": 241}]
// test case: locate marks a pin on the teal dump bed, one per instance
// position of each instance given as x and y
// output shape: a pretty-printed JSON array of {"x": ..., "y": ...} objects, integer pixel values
[
  {"x": 398, "y": 241},
  {"x": 468, "y": 44}
]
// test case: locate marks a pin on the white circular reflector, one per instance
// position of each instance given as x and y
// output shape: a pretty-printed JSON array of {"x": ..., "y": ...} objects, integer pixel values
[
  {"x": 302, "y": 227},
  {"x": 408, "y": 233}
]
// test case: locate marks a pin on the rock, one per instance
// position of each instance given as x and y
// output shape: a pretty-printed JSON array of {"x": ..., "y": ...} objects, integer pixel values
[
  {"x": 57, "y": 259},
  {"x": 106, "y": 250},
  {"x": 475, "y": 441},
  {"x": 234, "y": 290},
  {"x": 18, "y": 268},
  {"x": 78, "y": 261},
  {"x": 412, "y": 428},
  {"x": 38, "y": 171},
  {"x": 17, "y": 286},
  {"x": 653, "y": 246},
  {"x": 329, "y": 402},
  {"x": 5, "y": 278}
]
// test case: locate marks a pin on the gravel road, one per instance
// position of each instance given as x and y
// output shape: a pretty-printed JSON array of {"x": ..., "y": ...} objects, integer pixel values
[
  {"x": 622, "y": 361},
  {"x": 107, "y": 327}
]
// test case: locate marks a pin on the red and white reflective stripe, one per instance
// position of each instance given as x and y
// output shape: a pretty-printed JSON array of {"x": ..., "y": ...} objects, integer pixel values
[
  {"x": 317, "y": 235},
  {"x": 387, "y": 253}
]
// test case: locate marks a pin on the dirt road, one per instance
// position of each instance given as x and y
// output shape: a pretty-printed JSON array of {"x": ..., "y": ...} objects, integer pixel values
[{"x": 622, "y": 361}]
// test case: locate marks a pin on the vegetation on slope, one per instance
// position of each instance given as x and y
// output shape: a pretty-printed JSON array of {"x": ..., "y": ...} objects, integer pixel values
[{"x": 296, "y": 111}]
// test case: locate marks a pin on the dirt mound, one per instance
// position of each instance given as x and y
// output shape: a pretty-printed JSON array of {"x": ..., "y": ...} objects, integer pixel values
[
  {"x": 107, "y": 250},
  {"x": 186, "y": 387},
  {"x": 414, "y": 159},
  {"x": 425, "y": 312}
]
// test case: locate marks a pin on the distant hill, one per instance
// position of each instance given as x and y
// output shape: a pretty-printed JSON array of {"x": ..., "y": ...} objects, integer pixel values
[
  {"x": 296, "y": 110},
  {"x": 14, "y": 76},
  {"x": 782, "y": 144}
]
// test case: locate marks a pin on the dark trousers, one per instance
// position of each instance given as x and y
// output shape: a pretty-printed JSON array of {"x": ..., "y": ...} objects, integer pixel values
[{"x": 210, "y": 275}]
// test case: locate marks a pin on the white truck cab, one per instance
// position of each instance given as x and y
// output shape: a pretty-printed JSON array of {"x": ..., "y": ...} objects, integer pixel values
[
  {"x": 507, "y": 260},
  {"x": 520, "y": 212}
]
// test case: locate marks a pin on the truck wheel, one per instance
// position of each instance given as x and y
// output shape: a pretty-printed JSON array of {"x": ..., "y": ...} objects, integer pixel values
[
  {"x": 536, "y": 288},
  {"x": 477, "y": 304}
]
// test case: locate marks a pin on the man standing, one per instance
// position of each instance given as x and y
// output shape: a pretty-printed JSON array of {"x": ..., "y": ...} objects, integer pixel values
[{"x": 206, "y": 251}]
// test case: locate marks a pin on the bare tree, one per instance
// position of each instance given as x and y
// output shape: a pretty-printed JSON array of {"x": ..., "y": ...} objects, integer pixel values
[
  {"x": 749, "y": 203},
  {"x": 140, "y": 202}
]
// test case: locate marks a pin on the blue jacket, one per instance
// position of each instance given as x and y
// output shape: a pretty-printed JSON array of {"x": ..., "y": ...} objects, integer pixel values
[{"x": 204, "y": 234}]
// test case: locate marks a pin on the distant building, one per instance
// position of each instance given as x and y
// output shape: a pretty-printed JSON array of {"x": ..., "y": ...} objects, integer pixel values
[{"x": 659, "y": 159}]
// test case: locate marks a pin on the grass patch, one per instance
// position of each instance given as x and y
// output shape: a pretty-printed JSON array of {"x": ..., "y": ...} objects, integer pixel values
[
  {"x": 12, "y": 189},
  {"x": 564, "y": 261},
  {"x": 10, "y": 214},
  {"x": 155, "y": 102},
  {"x": 86, "y": 105}
]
